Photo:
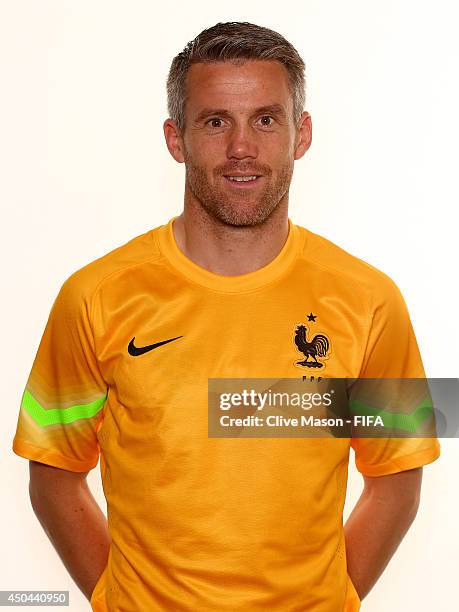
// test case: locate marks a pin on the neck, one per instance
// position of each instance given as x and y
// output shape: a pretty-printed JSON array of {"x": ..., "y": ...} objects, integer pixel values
[{"x": 225, "y": 249}]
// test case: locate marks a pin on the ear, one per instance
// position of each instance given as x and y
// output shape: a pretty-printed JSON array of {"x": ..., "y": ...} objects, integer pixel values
[
  {"x": 303, "y": 135},
  {"x": 174, "y": 140}
]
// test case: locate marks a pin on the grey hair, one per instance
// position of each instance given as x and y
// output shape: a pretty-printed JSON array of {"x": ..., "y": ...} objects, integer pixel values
[{"x": 237, "y": 42}]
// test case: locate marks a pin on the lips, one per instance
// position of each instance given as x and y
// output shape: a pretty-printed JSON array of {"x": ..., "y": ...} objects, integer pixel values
[{"x": 242, "y": 180}]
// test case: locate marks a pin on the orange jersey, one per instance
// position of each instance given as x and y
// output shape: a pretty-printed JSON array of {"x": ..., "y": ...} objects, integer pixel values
[{"x": 202, "y": 523}]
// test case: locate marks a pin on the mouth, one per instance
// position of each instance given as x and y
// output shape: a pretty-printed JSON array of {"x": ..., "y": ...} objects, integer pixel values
[{"x": 245, "y": 180}]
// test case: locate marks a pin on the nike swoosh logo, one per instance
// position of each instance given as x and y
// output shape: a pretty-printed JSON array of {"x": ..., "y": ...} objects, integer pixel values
[{"x": 135, "y": 351}]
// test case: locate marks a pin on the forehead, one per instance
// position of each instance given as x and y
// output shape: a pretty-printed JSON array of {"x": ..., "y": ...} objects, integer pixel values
[{"x": 237, "y": 86}]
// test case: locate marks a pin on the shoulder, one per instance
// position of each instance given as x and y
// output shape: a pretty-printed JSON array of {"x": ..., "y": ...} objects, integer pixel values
[
  {"x": 342, "y": 268},
  {"x": 82, "y": 284}
]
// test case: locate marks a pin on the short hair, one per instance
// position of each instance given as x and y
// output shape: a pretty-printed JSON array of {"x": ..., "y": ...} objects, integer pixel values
[{"x": 234, "y": 41}]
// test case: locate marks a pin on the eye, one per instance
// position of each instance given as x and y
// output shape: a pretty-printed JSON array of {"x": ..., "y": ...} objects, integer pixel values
[
  {"x": 264, "y": 118},
  {"x": 215, "y": 122}
]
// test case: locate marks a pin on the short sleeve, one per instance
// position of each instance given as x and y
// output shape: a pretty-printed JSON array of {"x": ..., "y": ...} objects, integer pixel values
[
  {"x": 62, "y": 403},
  {"x": 392, "y": 352}
]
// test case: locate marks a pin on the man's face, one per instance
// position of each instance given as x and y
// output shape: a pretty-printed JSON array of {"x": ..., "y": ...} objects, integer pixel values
[{"x": 239, "y": 123}]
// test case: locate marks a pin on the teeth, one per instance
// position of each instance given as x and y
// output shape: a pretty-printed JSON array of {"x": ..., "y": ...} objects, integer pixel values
[{"x": 242, "y": 179}]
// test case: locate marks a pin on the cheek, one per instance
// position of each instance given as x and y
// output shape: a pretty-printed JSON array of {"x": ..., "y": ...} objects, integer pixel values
[
  {"x": 277, "y": 149},
  {"x": 205, "y": 153},
  {"x": 279, "y": 160},
  {"x": 199, "y": 167}
]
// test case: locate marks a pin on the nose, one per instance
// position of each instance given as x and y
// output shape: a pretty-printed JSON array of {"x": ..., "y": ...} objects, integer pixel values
[{"x": 242, "y": 143}]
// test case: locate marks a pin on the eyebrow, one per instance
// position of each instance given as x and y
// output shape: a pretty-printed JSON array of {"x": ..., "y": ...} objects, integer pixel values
[{"x": 271, "y": 109}]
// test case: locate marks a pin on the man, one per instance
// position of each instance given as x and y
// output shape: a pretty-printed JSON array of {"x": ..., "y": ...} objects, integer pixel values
[{"x": 230, "y": 288}]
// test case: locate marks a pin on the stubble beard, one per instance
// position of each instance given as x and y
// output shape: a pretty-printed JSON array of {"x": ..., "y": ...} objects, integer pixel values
[{"x": 241, "y": 209}]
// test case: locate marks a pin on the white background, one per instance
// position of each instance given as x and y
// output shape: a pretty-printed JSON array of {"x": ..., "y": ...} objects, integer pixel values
[{"x": 84, "y": 168}]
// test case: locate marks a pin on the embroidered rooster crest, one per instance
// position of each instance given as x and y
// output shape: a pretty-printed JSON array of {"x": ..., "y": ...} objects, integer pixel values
[{"x": 319, "y": 346}]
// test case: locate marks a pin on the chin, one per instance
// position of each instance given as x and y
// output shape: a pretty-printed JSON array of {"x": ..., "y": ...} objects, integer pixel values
[{"x": 242, "y": 215}]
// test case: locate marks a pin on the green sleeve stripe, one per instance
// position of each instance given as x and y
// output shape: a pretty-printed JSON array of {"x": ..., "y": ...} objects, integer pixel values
[
  {"x": 54, "y": 416},
  {"x": 396, "y": 420}
]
